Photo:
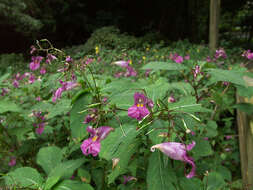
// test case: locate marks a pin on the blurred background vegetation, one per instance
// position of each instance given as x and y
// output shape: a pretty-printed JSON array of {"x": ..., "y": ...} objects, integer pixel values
[{"x": 67, "y": 23}]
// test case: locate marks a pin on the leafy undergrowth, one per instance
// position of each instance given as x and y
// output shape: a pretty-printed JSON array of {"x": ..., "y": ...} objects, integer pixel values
[{"x": 123, "y": 115}]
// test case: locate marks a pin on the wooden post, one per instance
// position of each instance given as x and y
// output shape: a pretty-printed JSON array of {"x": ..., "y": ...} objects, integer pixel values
[
  {"x": 214, "y": 24},
  {"x": 245, "y": 130}
]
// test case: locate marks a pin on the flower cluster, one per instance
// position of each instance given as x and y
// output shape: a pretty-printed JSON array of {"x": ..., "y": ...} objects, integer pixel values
[
  {"x": 248, "y": 54},
  {"x": 129, "y": 70},
  {"x": 65, "y": 87},
  {"x": 40, "y": 124},
  {"x": 177, "y": 151},
  {"x": 220, "y": 53},
  {"x": 92, "y": 144}
]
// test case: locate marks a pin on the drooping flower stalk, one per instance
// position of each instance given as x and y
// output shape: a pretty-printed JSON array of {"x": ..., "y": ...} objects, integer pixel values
[{"x": 177, "y": 151}]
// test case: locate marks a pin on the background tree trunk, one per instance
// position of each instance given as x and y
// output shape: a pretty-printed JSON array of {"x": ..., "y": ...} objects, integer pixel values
[{"x": 214, "y": 24}]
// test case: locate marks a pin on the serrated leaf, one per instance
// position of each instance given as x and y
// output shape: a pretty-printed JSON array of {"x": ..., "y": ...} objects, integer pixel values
[
  {"x": 6, "y": 106},
  {"x": 72, "y": 185},
  {"x": 214, "y": 181},
  {"x": 49, "y": 157},
  {"x": 24, "y": 177},
  {"x": 63, "y": 171},
  {"x": 232, "y": 76},
  {"x": 159, "y": 65},
  {"x": 190, "y": 184},
  {"x": 62, "y": 107},
  {"x": 159, "y": 175},
  {"x": 184, "y": 87}
]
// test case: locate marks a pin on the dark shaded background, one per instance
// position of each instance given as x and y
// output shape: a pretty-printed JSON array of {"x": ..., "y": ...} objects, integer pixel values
[{"x": 69, "y": 22}]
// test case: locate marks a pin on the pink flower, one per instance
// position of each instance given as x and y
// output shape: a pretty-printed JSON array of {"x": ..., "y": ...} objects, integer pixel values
[
  {"x": 208, "y": 59},
  {"x": 35, "y": 64},
  {"x": 69, "y": 59},
  {"x": 65, "y": 86},
  {"x": 31, "y": 79},
  {"x": 40, "y": 128},
  {"x": 38, "y": 98},
  {"x": 33, "y": 49},
  {"x": 130, "y": 72},
  {"x": 122, "y": 63},
  {"x": 228, "y": 137},
  {"x": 43, "y": 70},
  {"x": 147, "y": 72},
  {"x": 15, "y": 83},
  {"x": 92, "y": 144},
  {"x": 220, "y": 53},
  {"x": 4, "y": 91},
  {"x": 50, "y": 58},
  {"x": 139, "y": 110},
  {"x": 196, "y": 71},
  {"x": 127, "y": 179},
  {"x": 177, "y": 151},
  {"x": 12, "y": 162},
  {"x": 187, "y": 57},
  {"x": 206, "y": 138},
  {"x": 171, "y": 99},
  {"x": 179, "y": 59}
]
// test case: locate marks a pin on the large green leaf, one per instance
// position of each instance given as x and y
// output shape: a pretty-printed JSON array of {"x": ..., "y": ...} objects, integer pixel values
[
  {"x": 184, "y": 87},
  {"x": 49, "y": 157},
  {"x": 63, "y": 171},
  {"x": 120, "y": 147},
  {"x": 232, "y": 76},
  {"x": 24, "y": 177},
  {"x": 201, "y": 149},
  {"x": 62, "y": 107},
  {"x": 72, "y": 185},
  {"x": 159, "y": 65},
  {"x": 160, "y": 175},
  {"x": 77, "y": 118},
  {"x": 6, "y": 106},
  {"x": 214, "y": 181},
  {"x": 190, "y": 184}
]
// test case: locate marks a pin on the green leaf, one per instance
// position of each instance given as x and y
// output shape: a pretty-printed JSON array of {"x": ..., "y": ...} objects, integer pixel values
[
  {"x": 63, "y": 171},
  {"x": 49, "y": 157},
  {"x": 6, "y": 106},
  {"x": 211, "y": 129},
  {"x": 112, "y": 143},
  {"x": 224, "y": 172},
  {"x": 72, "y": 185},
  {"x": 20, "y": 132},
  {"x": 124, "y": 154},
  {"x": 232, "y": 76},
  {"x": 187, "y": 104},
  {"x": 159, "y": 65},
  {"x": 4, "y": 77},
  {"x": 190, "y": 184},
  {"x": 184, "y": 87},
  {"x": 62, "y": 107},
  {"x": 214, "y": 181},
  {"x": 160, "y": 175},
  {"x": 76, "y": 118},
  {"x": 24, "y": 177},
  {"x": 84, "y": 175},
  {"x": 201, "y": 149}
]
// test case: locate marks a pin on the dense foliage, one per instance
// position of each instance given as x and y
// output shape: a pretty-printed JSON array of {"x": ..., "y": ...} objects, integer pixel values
[{"x": 109, "y": 116}]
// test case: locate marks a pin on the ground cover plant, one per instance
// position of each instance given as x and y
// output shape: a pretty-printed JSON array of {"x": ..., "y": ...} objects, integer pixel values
[{"x": 150, "y": 117}]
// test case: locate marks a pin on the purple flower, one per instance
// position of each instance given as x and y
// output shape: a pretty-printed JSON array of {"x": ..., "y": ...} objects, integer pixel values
[
  {"x": 15, "y": 83},
  {"x": 139, "y": 110},
  {"x": 206, "y": 138},
  {"x": 4, "y": 91},
  {"x": 92, "y": 144},
  {"x": 69, "y": 59},
  {"x": 187, "y": 57},
  {"x": 35, "y": 64},
  {"x": 177, "y": 151},
  {"x": 171, "y": 99},
  {"x": 147, "y": 72},
  {"x": 31, "y": 79},
  {"x": 40, "y": 128},
  {"x": 220, "y": 53},
  {"x": 65, "y": 86},
  {"x": 127, "y": 179},
  {"x": 228, "y": 137},
  {"x": 38, "y": 98},
  {"x": 122, "y": 63},
  {"x": 178, "y": 59},
  {"x": 33, "y": 49},
  {"x": 225, "y": 83},
  {"x": 130, "y": 72},
  {"x": 12, "y": 162},
  {"x": 50, "y": 58},
  {"x": 196, "y": 71},
  {"x": 43, "y": 70}
]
